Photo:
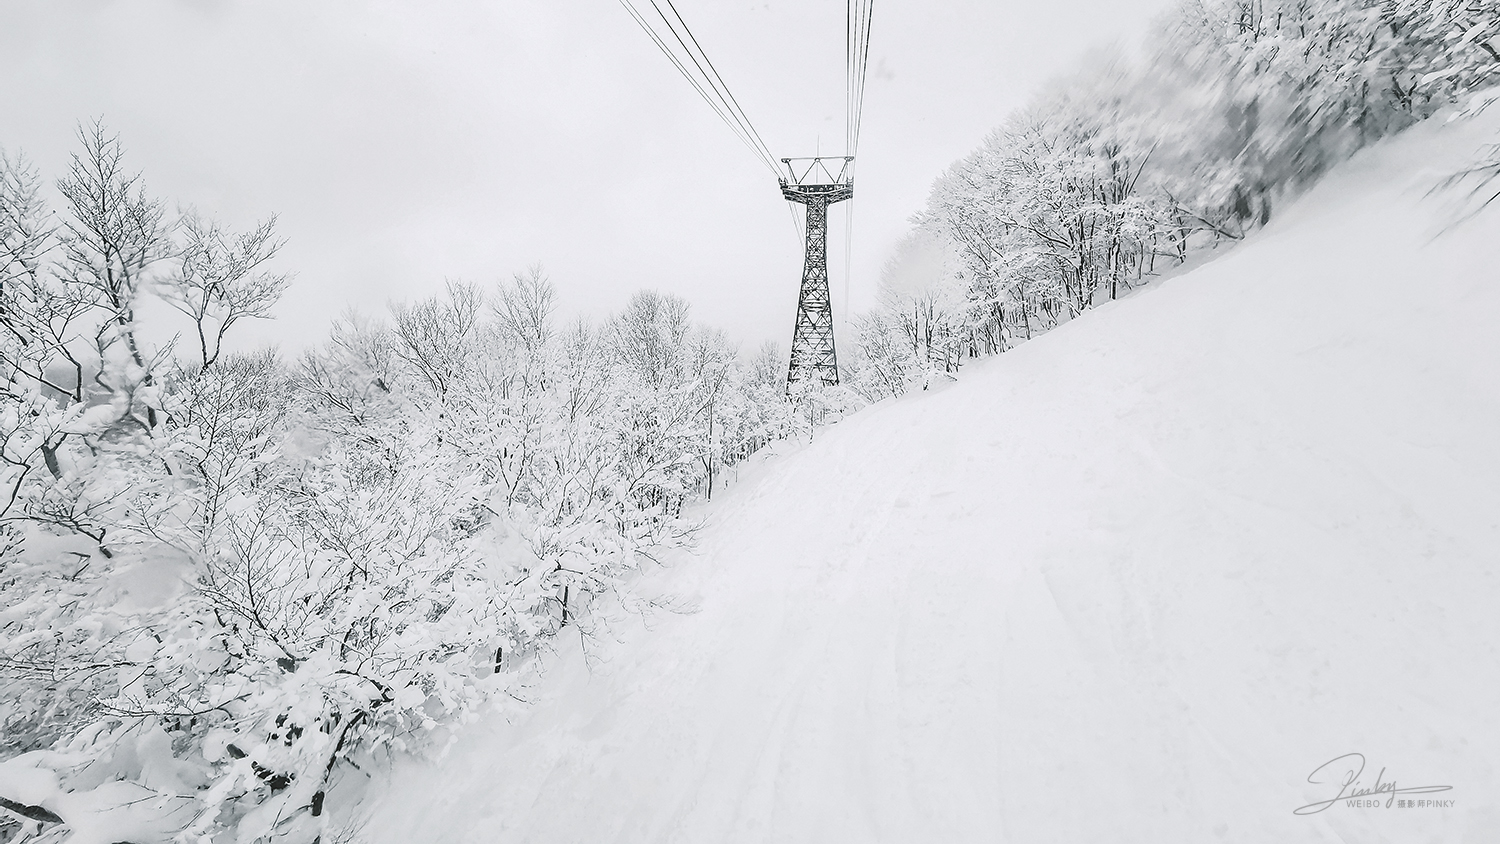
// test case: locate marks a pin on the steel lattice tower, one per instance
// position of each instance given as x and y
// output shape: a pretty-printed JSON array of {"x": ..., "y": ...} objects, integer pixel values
[{"x": 817, "y": 187}]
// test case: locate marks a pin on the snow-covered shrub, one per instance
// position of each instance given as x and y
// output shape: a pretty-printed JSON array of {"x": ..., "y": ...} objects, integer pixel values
[{"x": 226, "y": 581}]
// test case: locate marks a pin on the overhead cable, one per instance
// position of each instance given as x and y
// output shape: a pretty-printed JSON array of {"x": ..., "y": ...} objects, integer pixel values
[
  {"x": 858, "y": 16},
  {"x": 722, "y": 86},
  {"x": 707, "y": 81}
]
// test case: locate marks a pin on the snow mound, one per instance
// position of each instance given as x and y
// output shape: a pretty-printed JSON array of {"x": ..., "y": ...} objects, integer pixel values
[{"x": 1153, "y": 577}]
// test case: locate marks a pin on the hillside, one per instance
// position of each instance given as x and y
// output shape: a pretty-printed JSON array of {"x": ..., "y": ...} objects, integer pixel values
[{"x": 1131, "y": 582}]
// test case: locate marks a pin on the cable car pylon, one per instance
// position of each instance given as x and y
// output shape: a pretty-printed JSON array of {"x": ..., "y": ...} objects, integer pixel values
[{"x": 813, "y": 183}]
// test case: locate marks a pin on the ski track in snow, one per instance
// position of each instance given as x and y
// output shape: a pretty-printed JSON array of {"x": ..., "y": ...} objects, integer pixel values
[{"x": 1130, "y": 582}]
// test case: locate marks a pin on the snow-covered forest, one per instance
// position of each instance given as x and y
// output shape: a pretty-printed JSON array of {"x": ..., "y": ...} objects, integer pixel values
[
  {"x": 228, "y": 574},
  {"x": 228, "y": 579},
  {"x": 1129, "y": 168}
]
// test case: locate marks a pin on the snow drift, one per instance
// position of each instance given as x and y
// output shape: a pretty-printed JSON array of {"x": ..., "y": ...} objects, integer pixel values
[{"x": 1137, "y": 580}]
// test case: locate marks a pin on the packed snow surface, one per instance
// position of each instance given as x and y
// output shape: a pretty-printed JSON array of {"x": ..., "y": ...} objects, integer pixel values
[{"x": 1134, "y": 581}]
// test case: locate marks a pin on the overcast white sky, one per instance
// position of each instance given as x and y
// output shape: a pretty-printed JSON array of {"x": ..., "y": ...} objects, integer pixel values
[{"x": 403, "y": 144}]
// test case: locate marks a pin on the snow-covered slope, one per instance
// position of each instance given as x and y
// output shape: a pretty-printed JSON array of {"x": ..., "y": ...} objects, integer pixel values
[{"x": 1132, "y": 582}]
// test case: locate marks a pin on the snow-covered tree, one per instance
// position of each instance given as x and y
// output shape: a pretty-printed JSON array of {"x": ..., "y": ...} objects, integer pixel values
[
  {"x": 226, "y": 579},
  {"x": 1134, "y": 163}
]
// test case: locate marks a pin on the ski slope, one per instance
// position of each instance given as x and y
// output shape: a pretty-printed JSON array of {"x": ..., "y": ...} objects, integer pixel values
[{"x": 1131, "y": 582}]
